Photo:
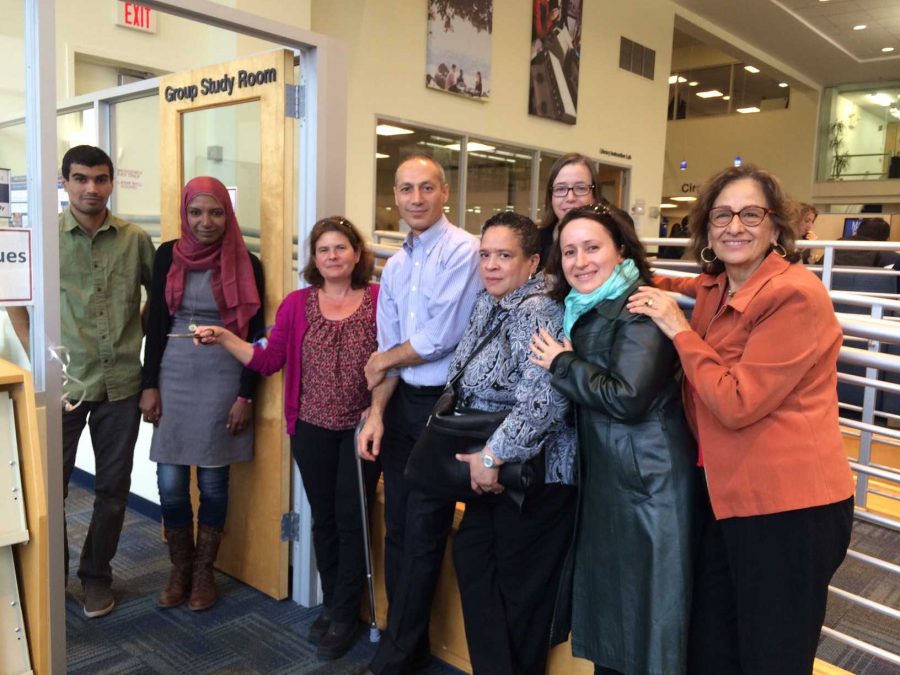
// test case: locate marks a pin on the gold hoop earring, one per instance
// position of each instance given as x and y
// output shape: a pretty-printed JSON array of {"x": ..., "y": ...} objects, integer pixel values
[
  {"x": 703, "y": 257},
  {"x": 782, "y": 253}
]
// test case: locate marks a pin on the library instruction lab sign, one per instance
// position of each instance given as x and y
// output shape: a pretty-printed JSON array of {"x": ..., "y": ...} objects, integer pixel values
[{"x": 15, "y": 266}]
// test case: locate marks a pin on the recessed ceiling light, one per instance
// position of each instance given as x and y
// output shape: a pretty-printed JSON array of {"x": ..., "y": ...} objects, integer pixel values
[
  {"x": 859, "y": 26},
  {"x": 712, "y": 93},
  {"x": 726, "y": 98},
  {"x": 381, "y": 155},
  {"x": 751, "y": 69},
  {"x": 783, "y": 84},
  {"x": 666, "y": 205},
  {"x": 684, "y": 199},
  {"x": 391, "y": 130},
  {"x": 750, "y": 109},
  {"x": 693, "y": 83},
  {"x": 887, "y": 49}
]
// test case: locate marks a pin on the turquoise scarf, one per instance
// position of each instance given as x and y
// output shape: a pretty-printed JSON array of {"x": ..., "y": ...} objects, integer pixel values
[{"x": 623, "y": 275}]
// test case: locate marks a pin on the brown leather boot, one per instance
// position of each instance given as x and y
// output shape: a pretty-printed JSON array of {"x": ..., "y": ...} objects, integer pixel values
[
  {"x": 203, "y": 585},
  {"x": 181, "y": 552}
]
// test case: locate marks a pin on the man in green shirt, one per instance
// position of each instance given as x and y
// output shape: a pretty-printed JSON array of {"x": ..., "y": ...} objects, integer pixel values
[{"x": 104, "y": 261}]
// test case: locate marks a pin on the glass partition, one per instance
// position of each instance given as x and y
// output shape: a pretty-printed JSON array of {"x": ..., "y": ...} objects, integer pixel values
[
  {"x": 859, "y": 137},
  {"x": 136, "y": 197},
  {"x": 223, "y": 142},
  {"x": 498, "y": 178},
  {"x": 723, "y": 90}
]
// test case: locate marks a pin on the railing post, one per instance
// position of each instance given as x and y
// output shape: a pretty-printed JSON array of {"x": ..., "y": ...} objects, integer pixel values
[
  {"x": 827, "y": 264},
  {"x": 868, "y": 416}
]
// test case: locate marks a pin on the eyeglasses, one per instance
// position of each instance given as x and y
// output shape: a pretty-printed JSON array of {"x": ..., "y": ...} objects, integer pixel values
[
  {"x": 750, "y": 216},
  {"x": 579, "y": 189}
]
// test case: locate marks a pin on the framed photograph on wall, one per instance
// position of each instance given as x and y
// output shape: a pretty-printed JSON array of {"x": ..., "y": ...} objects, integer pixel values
[
  {"x": 555, "y": 59},
  {"x": 459, "y": 47}
]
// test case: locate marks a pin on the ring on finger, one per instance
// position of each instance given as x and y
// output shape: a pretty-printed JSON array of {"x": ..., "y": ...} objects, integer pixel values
[{"x": 649, "y": 302}]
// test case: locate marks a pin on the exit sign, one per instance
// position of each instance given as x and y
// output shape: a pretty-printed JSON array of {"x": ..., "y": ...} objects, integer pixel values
[{"x": 136, "y": 16}]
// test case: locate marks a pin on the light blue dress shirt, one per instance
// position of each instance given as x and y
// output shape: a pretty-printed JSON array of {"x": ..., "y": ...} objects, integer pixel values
[{"x": 428, "y": 290}]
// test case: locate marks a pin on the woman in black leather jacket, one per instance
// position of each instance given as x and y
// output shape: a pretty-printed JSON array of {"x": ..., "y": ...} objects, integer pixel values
[{"x": 627, "y": 600}]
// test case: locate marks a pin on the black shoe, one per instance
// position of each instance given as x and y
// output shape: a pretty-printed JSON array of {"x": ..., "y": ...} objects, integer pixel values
[
  {"x": 98, "y": 599},
  {"x": 319, "y": 626},
  {"x": 337, "y": 640}
]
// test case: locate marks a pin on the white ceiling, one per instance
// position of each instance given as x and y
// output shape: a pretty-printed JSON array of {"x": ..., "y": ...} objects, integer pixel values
[{"x": 814, "y": 37}]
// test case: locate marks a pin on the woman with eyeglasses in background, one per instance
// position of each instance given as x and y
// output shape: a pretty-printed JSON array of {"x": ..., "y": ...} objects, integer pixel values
[
  {"x": 572, "y": 183},
  {"x": 760, "y": 392}
]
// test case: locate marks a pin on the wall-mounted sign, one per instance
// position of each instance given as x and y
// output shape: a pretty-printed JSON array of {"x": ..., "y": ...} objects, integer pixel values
[
  {"x": 15, "y": 266},
  {"x": 242, "y": 79},
  {"x": 615, "y": 153},
  {"x": 689, "y": 187},
  {"x": 135, "y": 16},
  {"x": 4, "y": 194}
]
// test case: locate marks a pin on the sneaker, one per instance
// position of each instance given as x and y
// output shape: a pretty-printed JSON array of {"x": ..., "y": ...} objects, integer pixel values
[
  {"x": 98, "y": 600},
  {"x": 320, "y": 626},
  {"x": 337, "y": 640}
]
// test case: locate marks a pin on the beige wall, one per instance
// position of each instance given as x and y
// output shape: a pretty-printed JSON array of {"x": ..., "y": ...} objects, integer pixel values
[
  {"x": 782, "y": 141},
  {"x": 617, "y": 110}
]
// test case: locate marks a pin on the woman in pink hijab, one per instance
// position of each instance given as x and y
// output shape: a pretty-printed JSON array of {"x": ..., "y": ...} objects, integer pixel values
[{"x": 200, "y": 401}]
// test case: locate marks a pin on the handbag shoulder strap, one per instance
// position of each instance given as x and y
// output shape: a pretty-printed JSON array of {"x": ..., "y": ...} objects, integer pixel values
[{"x": 484, "y": 343}]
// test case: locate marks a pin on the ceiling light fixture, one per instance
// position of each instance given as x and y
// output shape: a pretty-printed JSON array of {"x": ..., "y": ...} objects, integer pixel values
[
  {"x": 751, "y": 69},
  {"x": 381, "y": 155},
  {"x": 859, "y": 26},
  {"x": 750, "y": 109},
  {"x": 712, "y": 93},
  {"x": 726, "y": 98},
  {"x": 684, "y": 199},
  {"x": 391, "y": 130},
  {"x": 666, "y": 205},
  {"x": 881, "y": 99},
  {"x": 887, "y": 49},
  {"x": 472, "y": 146},
  {"x": 783, "y": 85},
  {"x": 693, "y": 83}
]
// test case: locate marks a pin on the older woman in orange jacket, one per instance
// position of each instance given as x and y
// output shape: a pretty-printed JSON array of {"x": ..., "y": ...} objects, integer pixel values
[{"x": 759, "y": 356}]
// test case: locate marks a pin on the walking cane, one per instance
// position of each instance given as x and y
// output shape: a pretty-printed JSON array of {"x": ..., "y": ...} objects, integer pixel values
[{"x": 374, "y": 633}]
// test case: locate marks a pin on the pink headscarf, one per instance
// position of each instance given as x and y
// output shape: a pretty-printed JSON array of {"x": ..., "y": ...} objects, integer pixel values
[{"x": 233, "y": 283}]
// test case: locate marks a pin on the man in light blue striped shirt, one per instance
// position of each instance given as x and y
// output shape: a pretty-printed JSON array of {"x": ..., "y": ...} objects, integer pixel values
[{"x": 428, "y": 291}]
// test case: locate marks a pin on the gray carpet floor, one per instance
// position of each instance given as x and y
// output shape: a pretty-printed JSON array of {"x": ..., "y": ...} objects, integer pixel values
[{"x": 248, "y": 632}]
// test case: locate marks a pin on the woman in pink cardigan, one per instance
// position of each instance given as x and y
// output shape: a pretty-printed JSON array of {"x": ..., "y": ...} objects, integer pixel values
[{"x": 323, "y": 336}]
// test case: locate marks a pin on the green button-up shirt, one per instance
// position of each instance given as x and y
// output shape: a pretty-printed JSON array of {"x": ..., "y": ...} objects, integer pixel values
[{"x": 100, "y": 281}]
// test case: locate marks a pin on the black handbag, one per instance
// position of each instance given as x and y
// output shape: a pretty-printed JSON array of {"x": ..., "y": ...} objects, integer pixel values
[{"x": 432, "y": 466}]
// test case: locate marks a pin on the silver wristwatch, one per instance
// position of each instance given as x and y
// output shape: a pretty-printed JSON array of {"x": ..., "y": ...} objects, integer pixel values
[{"x": 487, "y": 461}]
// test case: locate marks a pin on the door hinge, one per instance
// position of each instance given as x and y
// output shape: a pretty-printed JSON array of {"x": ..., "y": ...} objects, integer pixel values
[
  {"x": 290, "y": 526},
  {"x": 295, "y": 101}
]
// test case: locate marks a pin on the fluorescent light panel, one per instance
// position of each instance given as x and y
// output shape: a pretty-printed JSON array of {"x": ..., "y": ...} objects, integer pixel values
[
  {"x": 749, "y": 109},
  {"x": 391, "y": 130},
  {"x": 712, "y": 93},
  {"x": 471, "y": 146},
  {"x": 381, "y": 155},
  {"x": 666, "y": 205},
  {"x": 751, "y": 69},
  {"x": 683, "y": 199}
]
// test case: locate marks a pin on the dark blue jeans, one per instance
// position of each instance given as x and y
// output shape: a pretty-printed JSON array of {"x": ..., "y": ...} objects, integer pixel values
[{"x": 174, "y": 482}]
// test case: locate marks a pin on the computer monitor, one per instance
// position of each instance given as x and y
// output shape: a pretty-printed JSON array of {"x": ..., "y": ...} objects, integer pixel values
[{"x": 851, "y": 225}]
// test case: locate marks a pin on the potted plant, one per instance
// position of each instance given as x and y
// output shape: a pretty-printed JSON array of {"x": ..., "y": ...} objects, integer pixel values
[{"x": 839, "y": 158}]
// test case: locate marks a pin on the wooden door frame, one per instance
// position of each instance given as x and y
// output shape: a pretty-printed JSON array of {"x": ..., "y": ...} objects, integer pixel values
[{"x": 252, "y": 550}]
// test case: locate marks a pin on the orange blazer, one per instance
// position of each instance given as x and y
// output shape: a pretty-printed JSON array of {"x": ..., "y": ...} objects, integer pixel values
[{"x": 765, "y": 408}]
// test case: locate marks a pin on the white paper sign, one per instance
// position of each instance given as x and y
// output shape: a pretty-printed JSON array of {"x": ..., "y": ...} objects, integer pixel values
[{"x": 15, "y": 266}]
